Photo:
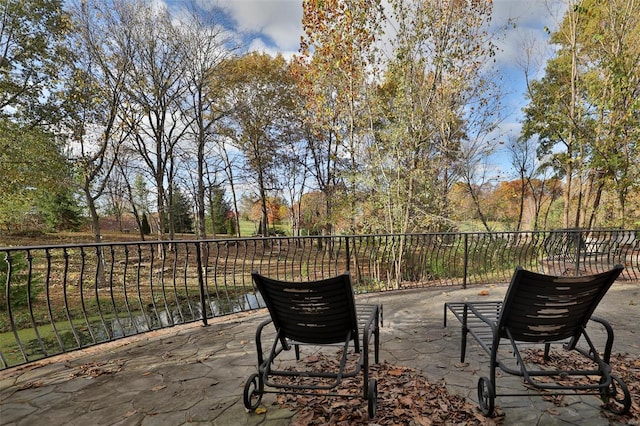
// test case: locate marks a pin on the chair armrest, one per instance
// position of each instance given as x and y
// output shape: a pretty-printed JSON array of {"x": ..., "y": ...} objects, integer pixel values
[
  {"x": 368, "y": 317},
  {"x": 609, "y": 343},
  {"x": 259, "y": 339}
]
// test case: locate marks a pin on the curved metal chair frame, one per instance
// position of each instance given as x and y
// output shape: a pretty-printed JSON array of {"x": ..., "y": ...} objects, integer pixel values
[
  {"x": 543, "y": 310},
  {"x": 318, "y": 313}
]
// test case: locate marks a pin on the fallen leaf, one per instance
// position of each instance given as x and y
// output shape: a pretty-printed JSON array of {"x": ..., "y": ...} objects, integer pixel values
[
  {"x": 405, "y": 397},
  {"x": 422, "y": 421},
  {"x": 30, "y": 385},
  {"x": 398, "y": 412},
  {"x": 407, "y": 401},
  {"x": 303, "y": 420}
]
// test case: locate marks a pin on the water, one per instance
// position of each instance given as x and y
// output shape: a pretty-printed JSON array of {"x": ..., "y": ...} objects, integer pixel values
[{"x": 123, "y": 325}]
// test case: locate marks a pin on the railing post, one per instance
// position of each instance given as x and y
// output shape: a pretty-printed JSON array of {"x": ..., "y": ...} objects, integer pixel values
[
  {"x": 578, "y": 240},
  {"x": 203, "y": 304},
  {"x": 466, "y": 260},
  {"x": 346, "y": 240}
]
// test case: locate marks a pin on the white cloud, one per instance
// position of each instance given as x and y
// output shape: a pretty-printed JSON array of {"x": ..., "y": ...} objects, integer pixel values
[
  {"x": 277, "y": 23},
  {"x": 529, "y": 12},
  {"x": 258, "y": 45},
  {"x": 532, "y": 19},
  {"x": 275, "y": 26}
]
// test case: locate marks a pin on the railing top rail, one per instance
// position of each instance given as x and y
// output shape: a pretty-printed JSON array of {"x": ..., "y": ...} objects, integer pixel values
[
  {"x": 302, "y": 237},
  {"x": 154, "y": 242},
  {"x": 80, "y": 294}
]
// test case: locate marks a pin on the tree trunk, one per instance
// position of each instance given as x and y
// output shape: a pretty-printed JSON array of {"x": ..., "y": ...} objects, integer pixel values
[{"x": 201, "y": 232}]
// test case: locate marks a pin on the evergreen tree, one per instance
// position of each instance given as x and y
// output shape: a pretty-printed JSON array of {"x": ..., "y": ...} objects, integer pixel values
[
  {"x": 60, "y": 211},
  {"x": 20, "y": 294},
  {"x": 146, "y": 228},
  {"x": 219, "y": 209},
  {"x": 181, "y": 212},
  {"x": 231, "y": 225}
]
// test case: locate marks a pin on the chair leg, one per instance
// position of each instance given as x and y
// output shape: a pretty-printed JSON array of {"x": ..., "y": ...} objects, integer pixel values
[
  {"x": 463, "y": 343},
  {"x": 463, "y": 334},
  {"x": 547, "y": 348},
  {"x": 365, "y": 374},
  {"x": 297, "y": 350},
  {"x": 376, "y": 342}
]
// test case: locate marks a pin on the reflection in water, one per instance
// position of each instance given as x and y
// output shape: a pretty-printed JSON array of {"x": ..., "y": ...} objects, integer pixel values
[
  {"x": 243, "y": 302},
  {"x": 124, "y": 325}
]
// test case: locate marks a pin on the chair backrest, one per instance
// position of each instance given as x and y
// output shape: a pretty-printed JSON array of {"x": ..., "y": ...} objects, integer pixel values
[
  {"x": 320, "y": 312},
  {"x": 543, "y": 308}
]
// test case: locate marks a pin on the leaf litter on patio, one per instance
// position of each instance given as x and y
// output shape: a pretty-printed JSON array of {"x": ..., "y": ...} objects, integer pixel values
[
  {"x": 405, "y": 397},
  {"x": 97, "y": 369},
  {"x": 625, "y": 366}
]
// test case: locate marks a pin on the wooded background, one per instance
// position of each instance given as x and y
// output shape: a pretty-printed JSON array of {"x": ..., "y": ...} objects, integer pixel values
[{"x": 123, "y": 109}]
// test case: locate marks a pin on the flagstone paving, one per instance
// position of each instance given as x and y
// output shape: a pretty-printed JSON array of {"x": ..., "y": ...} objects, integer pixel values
[{"x": 195, "y": 375}]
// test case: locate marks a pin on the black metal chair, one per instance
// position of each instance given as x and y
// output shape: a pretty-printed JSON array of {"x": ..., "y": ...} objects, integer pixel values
[
  {"x": 543, "y": 310},
  {"x": 317, "y": 313}
]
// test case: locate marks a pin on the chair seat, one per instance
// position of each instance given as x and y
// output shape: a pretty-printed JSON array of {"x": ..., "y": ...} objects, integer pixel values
[
  {"x": 478, "y": 328},
  {"x": 317, "y": 313},
  {"x": 544, "y": 310}
]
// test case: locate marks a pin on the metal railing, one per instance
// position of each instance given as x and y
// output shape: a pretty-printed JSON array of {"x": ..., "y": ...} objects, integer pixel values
[{"x": 55, "y": 299}]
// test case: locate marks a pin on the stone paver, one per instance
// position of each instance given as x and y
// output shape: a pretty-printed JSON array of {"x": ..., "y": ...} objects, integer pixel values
[{"x": 195, "y": 375}]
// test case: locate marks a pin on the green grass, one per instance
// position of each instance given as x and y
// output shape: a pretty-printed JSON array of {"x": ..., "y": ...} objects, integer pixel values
[
  {"x": 249, "y": 228},
  {"x": 477, "y": 226}
]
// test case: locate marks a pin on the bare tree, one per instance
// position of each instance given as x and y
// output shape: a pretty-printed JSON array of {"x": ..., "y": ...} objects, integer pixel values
[
  {"x": 156, "y": 92},
  {"x": 205, "y": 47},
  {"x": 97, "y": 71},
  {"x": 125, "y": 174},
  {"x": 228, "y": 161},
  {"x": 523, "y": 162}
]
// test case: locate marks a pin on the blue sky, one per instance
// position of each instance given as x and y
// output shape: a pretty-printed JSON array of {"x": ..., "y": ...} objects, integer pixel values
[{"x": 274, "y": 26}]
